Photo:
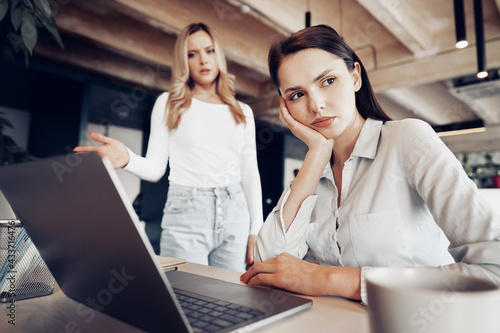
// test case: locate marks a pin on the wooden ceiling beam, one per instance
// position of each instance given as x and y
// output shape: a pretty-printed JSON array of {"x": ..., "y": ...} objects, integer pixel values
[
  {"x": 245, "y": 39},
  {"x": 438, "y": 107},
  {"x": 403, "y": 21},
  {"x": 95, "y": 59},
  {"x": 445, "y": 66},
  {"x": 135, "y": 39},
  {"x": 121, "y": 33}
]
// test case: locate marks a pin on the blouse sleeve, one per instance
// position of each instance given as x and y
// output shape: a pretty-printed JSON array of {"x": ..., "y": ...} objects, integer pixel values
[
  {"x": 250, "y": 177},
  {"x": 153, "y": 166},
  {"x": 273, "y": 239},
  {"x": 469, "y": 222}
]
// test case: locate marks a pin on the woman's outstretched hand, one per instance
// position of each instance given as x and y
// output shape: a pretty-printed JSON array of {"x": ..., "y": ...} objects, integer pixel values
[
  {"x": 309, "y": 136},
  {"x": 113, "y": 149}
]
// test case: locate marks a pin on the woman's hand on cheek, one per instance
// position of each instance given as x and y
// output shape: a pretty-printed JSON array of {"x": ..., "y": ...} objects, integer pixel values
[
  {"x": 309, "y": 136},
  {"x": 287, "y": 272}
]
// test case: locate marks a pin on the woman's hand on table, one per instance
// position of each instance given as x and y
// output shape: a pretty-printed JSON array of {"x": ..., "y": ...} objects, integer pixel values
[
  {"x": 287, "y": 272},
  {"x": 291, "y": 273}
]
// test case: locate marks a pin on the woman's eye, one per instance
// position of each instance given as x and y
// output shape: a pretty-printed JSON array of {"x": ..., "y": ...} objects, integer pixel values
[
  {"x": 191, "y": 55},
  {"x": 211, "y": 51},
  {"x": 328, "y": 81},
  {"x": 296, "y": 96}
]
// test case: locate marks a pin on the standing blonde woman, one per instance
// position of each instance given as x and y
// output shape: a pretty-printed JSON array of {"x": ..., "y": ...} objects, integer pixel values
[{"x": 214, "y": 202}]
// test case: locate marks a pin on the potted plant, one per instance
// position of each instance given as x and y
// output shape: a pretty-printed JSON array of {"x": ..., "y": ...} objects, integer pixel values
[{"x": 20, "y": 32}]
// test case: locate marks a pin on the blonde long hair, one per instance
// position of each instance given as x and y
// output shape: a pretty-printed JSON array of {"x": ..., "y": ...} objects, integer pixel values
[{"x": 181, "y": 89}]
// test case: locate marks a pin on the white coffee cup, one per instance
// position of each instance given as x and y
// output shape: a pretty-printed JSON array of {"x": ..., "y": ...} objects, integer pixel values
[{"x": 429, "y": 300}]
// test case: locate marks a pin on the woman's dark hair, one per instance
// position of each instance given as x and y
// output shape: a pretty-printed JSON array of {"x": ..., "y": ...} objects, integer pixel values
[{"x": 327, "y": 39}]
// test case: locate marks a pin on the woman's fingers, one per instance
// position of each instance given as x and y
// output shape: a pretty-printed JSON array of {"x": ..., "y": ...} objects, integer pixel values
[
  {"x": 265, "y": 267},
  {"x": 113, "y": 149},
  {"x": 100, "y": 138},
  {"x": 96, "y": 137},
  {"x": 262, "y": 279},
  {"x": 85, "y": 149},
  {"x": 285, "y": 116}
]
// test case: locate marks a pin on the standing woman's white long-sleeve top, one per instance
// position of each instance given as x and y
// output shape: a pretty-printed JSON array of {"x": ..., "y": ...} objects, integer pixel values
[
  {"x": 401, "y": 189},
  {"x": 208, "y": 149}
]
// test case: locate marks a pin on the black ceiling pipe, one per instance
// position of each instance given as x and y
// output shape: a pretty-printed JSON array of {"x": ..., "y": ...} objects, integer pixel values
[
  {"x": 460, "y": 31},
  {"x": 481, "y": 54}
]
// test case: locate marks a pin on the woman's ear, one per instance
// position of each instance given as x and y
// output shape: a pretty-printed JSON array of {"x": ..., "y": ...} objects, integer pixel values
[{"x": 356, "y": 75}]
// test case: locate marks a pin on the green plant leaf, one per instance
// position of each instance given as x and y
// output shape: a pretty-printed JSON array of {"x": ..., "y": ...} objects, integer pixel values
[
  {"x": 7, "y": 53},
  {"x": 4, "y": 8},
  {"x": 9, "y": 142},
  {"x": 54, "y": 8},
  {"x": 16, "y": 11},
  {"x": 15, "y": 40},
  {"x": 44, "y": 7},
  {"x": 52, "y": 28},
  {"x": 17, "y": 150},
  {"x": 29, "y": 31},
  {"x": 28, "y": 4},
  {"x": 6, "y": 122}
]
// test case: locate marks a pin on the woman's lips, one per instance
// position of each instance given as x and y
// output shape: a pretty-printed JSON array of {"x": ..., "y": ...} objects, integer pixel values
[
  {"x": 323, "y": 122},
  {"x": 205, "y": 71}
]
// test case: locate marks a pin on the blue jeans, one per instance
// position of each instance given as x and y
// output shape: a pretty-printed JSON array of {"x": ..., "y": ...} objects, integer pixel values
[{"x": 207, "y": 226}]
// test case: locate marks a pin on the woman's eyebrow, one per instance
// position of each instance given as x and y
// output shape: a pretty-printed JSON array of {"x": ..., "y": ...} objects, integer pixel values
[
  {"x": 205, "y": 48},
  {"x": 322, "y": 75},
  {"x": 291, "y": 89},
  {"x": 316, "y": 79}
]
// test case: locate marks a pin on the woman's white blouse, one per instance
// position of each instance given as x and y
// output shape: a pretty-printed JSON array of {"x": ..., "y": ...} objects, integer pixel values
[
  {"x": 401, "y": 189},
  {"x": 208, "y": 149}
]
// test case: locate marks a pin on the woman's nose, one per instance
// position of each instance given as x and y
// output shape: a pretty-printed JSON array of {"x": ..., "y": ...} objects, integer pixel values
[
  {"x": 316, "y": 103},
  {"x": 203, "y": 59}
]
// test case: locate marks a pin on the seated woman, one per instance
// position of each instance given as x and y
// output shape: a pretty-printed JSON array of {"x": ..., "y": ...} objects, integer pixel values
[{"x": 371, "y": 191}]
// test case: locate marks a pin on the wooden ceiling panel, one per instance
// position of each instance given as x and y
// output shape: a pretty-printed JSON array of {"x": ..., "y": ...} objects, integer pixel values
[
  {"x": 244, "y": 39},
  {"x": 441, "y": 67},
  {"x": 403, "y": 21},
  {"x": 93, "y": 58},
  {"x": 119, "y": 32}
]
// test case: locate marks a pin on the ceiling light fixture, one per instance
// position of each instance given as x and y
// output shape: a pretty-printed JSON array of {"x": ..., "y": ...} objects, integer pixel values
[
  {"x": 308, "y": 16},
  {"x": 481, "y": 54},
  {"x": 460, "y": 32},
  {"x": 466, "y": 127}
]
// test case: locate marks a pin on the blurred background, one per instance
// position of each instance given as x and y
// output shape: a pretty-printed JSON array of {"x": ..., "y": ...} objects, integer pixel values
[{"x": 99, "y": 65}]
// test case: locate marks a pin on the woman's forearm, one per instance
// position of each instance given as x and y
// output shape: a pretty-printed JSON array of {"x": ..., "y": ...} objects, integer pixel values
[
  {"x": 341, "y": 281},
  {"x": 306, "y": 182}
]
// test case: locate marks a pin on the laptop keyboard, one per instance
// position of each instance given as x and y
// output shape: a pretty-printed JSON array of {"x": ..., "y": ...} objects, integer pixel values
[{"x": 207, "y": 314}]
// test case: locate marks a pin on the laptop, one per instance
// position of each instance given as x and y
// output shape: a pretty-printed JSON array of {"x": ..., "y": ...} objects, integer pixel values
[{"x": 87, "y": 232}]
